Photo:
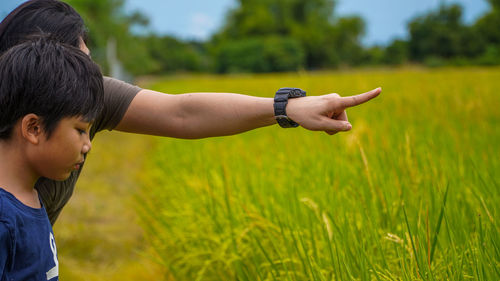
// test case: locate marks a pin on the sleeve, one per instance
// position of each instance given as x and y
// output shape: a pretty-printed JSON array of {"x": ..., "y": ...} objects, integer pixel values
[
  {"x": 117, "y": 97},
  {"x": 5, "y": 246}
]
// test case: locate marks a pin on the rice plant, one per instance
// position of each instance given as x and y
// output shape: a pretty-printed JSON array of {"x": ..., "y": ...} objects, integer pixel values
[{"x": 411, "y": 193}]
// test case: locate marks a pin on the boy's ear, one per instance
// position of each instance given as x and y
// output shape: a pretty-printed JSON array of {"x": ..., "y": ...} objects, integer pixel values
[{"x": 31, "y": 128}]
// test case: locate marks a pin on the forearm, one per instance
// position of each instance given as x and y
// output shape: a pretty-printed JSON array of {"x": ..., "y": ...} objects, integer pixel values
[
  {"x": 220, "y": 114},
  {"x": 196, "y": 115}
]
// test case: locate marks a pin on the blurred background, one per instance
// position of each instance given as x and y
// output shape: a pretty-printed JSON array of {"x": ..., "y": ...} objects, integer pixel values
[
  {"x": 369, "y": 204},
  {"x": 229, "y": 36}
]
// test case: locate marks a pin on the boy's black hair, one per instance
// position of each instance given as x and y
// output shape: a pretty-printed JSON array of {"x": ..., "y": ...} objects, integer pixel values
[
  {"x": 42, "y": 16},
  {"x": 50, "y": 79}
]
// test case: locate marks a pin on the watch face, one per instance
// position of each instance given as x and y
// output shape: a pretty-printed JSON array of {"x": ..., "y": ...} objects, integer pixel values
[{"x": 282, "y": 117}]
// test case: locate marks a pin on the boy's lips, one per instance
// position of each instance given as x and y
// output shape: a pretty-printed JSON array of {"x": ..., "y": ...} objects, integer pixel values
[{"x": 78, "y": 165}]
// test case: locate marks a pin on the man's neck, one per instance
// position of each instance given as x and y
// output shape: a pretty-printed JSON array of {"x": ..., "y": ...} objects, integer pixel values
[{"x": 16, "y": 176}]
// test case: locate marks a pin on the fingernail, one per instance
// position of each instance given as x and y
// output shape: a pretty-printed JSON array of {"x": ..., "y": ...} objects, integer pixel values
[{"x": 349, "y": 126}]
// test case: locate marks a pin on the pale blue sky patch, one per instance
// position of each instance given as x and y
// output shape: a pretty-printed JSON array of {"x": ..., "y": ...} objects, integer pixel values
[
  {"x": 201, "y": 25},
  {"x": 188, "y": 19},
  {"x": 387, "y": 20}
]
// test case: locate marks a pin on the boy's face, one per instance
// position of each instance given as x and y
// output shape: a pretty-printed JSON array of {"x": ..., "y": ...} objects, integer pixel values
[{"x": 64, "y": 151}]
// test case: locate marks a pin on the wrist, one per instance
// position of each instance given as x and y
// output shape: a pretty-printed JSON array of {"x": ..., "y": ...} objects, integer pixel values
[
  {"x": 291, "y": 109},
  {"x": 281, "y": 100}
]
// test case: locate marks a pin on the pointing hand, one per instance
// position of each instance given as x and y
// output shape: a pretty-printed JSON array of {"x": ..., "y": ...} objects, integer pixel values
[{"x": 326, "y": 113}]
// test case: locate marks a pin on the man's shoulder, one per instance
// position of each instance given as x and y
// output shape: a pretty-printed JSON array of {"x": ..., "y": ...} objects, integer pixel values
[
  {"x": 115, "y": 86},
  {"x": 117, "y": 97}
]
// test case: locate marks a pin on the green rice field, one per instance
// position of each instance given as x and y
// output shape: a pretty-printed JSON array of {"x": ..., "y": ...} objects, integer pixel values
[{"x": 410, "y": 193}]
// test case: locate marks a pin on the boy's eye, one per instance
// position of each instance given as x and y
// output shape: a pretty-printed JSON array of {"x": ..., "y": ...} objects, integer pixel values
[{"x": 81, "y": 132}]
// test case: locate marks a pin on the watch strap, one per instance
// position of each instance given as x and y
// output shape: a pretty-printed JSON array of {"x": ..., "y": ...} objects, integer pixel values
[{"x": 280, "y": 103}]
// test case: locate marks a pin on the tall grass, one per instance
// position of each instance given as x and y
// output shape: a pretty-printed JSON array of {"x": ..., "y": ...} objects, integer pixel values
[{"x": 411, "y": 193}]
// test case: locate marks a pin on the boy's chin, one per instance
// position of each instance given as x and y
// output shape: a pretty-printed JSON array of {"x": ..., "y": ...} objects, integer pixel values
[{"x": 61, "y": 177}]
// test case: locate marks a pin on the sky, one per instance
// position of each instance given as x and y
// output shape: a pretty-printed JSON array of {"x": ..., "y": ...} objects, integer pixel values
[{"x": 198, "y": 19}]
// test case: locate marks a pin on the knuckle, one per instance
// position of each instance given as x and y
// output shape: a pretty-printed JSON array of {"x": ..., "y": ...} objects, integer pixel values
[{"x": 333, "y": 102}]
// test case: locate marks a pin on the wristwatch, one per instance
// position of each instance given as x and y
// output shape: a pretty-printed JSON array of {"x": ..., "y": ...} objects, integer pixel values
[{"x": 280, "y": 102}]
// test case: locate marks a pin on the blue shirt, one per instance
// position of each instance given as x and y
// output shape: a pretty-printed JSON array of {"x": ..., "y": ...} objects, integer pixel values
[{"x": 27, "y": 246}]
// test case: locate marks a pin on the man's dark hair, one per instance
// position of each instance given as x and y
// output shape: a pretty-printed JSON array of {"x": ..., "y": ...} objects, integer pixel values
[
  {"x": 42, "y": 16},
  {"x": 50, "y": 79}
]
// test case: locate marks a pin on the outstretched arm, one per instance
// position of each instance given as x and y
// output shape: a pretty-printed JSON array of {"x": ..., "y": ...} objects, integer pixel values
[{"x": 200, "y": 115}]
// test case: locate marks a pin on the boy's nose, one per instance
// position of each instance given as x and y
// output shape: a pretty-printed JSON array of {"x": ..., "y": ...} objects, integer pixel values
[{"x": 86, "y": 146}]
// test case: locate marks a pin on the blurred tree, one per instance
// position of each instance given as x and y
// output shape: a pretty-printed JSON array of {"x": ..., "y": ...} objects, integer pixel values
[
  {"x": 268, "y": 17},
  {"x": 396, "y": 53},
  {"x": 286, "y": 35},
  {"x": 435, "y": 33},
  {"x": 324, "y": 40},
  {"x": 373, "y": 55},
  {"x": 171, "y": 54},
  {"x": 259, "y": 54},
  {"x": 442, "y": 35},
  {"x": 489, "y": 28},
  {"x": 343, "y": 44},
  {"x": 106, "y": 19}
]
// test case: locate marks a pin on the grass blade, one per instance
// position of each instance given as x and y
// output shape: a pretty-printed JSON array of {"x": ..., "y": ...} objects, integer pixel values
[{"x": 438, "y": 227}]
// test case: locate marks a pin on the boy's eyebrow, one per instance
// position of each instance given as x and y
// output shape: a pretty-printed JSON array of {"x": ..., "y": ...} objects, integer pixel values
[{"x": 89, "y": 123}]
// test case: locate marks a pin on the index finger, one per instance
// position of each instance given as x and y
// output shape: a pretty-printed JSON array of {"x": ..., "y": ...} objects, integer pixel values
[{"x": 359, "y": 99}]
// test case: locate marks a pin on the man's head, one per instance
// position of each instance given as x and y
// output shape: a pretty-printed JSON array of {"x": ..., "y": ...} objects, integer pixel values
[{"x": 48, "y": 16}]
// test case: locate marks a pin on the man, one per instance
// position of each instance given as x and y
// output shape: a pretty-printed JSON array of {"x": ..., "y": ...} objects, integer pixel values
[{"x": 129, "y": 108}]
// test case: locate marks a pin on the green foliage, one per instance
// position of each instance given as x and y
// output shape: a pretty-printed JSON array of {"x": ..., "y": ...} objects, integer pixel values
[
  {"x": 491, "y": 56},
  {"x": 106, "y": 19},
  {"x": 342, "y": 45},
  {"x": 495, "y": 4},
  {"x": 264, "y": 54},
  {"x": 286, "y": 35},
  {"x": 396, "y": 53},
  {"x": 267, "y": 17},
  {"x": 373, "y": 55},
  {"x": 442, "y": 34},
  {"x": 487, "y": 26},
  {"x": 171, "y": 54},
  {"x": 151, "y": 54},
  {"x": 326, "y": 41},
  {"x": 411, "y": 193},
  {"x": 440, "y": 38}
]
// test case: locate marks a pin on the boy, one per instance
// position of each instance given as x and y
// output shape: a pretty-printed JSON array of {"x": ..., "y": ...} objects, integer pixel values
[{"x": 49, "y": 94}]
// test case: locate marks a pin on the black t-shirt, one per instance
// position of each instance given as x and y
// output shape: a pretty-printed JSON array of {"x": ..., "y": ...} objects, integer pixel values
[{"x": 117, "y": 97}]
